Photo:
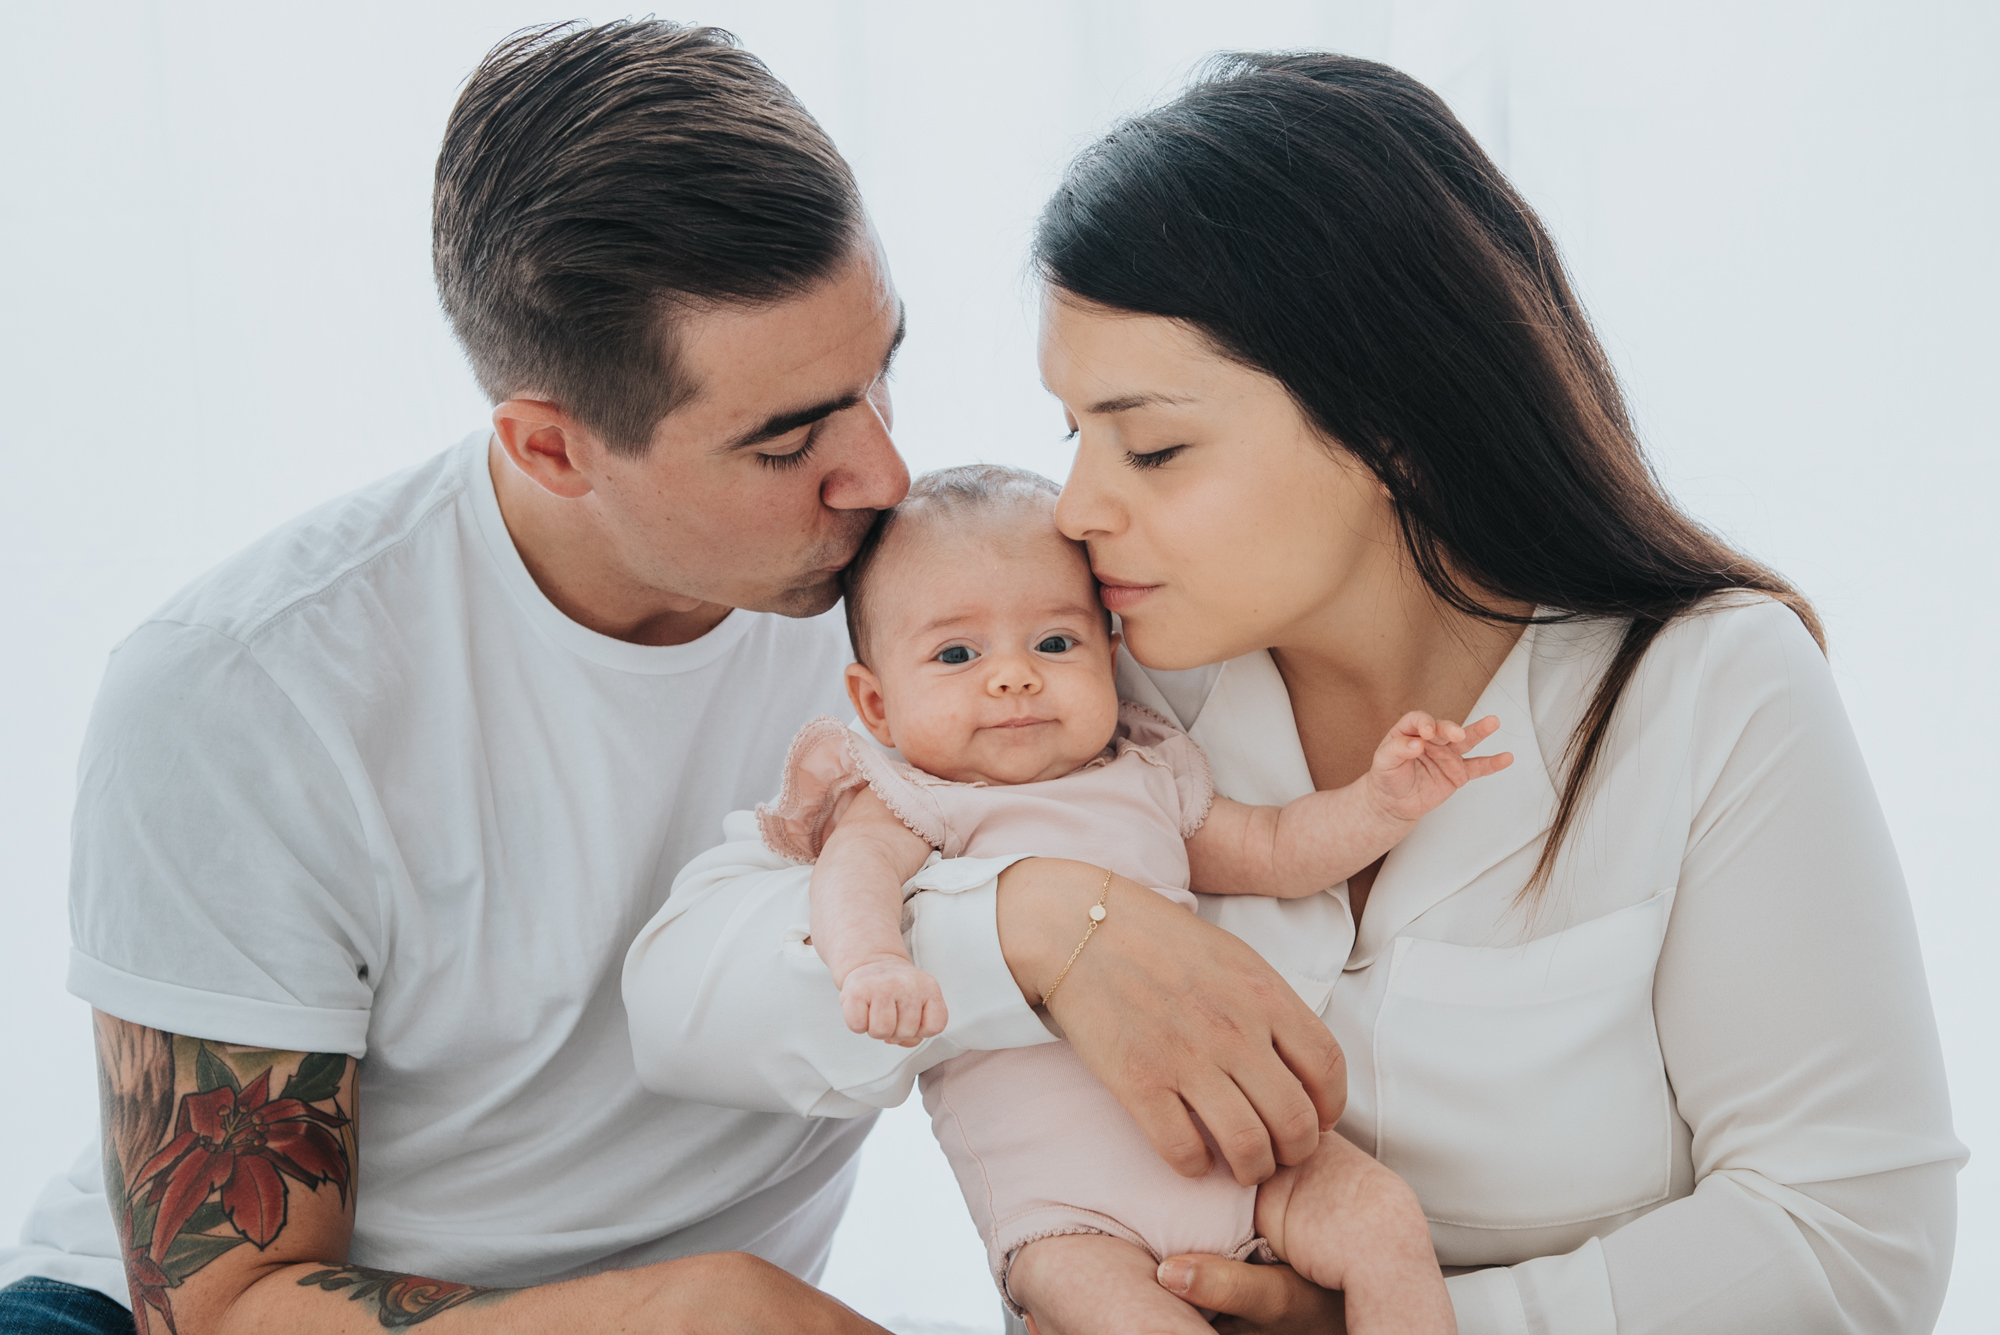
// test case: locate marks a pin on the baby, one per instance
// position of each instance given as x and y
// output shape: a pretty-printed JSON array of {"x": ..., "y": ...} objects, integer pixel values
[{"x": 986, "y": 660}]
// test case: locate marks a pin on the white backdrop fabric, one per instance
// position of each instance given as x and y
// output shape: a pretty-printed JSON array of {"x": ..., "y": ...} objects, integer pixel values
[{"x": 215, "y": 266}]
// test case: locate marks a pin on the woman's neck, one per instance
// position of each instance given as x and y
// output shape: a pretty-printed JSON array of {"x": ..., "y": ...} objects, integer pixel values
[
  {"x": 1356, "y": 670},
  {"x": 1353, "y": 671}
]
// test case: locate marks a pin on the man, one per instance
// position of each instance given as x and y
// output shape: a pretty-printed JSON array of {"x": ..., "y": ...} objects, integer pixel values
[{"x": 368, "y": 816}]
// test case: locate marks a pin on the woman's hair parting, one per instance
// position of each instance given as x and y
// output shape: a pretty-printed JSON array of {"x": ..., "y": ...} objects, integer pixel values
[
  {"x": 1327, "y": 221},
  {"x": 967, "y": 489}
]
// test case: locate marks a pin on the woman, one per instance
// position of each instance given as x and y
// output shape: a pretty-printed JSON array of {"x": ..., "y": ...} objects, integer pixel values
[{"x": 1640, "y": 1022}]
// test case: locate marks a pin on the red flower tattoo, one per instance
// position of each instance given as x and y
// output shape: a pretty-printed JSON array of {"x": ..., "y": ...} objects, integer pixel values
[{"x": 243, "y": 1144}]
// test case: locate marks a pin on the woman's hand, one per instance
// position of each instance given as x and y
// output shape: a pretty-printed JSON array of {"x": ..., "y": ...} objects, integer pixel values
[
  {"x": 1254, "y": 1299},
  {"x": 1177, "y": 1017}
]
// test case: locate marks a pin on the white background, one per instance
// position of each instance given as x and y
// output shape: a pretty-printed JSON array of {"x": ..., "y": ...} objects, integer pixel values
[{"x": 214, "y": 276}]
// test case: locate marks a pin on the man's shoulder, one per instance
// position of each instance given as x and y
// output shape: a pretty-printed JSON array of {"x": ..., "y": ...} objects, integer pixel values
[{"x": 303, "y": 560}]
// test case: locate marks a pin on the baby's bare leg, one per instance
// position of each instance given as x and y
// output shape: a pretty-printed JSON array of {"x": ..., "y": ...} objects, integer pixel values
[
  {"x": 1094, "y": 1284},
  {"x": 1345, "y": 1222}
]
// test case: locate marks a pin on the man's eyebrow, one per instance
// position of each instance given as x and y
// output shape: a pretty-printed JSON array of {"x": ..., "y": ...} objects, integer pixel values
[
  {"x": 781, "y": 423},
  {"x": 1127, "y": 402}
]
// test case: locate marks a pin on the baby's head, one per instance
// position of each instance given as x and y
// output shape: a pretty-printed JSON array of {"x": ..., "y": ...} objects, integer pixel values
[{"x": 983, "y": 654}]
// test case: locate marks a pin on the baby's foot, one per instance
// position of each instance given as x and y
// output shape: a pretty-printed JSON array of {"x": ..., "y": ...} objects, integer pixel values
[
  {"x": 892, "y": 1000},
  {"x": 1095, "y": 1284}
]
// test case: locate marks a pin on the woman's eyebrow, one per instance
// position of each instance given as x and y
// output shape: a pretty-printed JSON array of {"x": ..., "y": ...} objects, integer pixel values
[{"x": 1127, "y": 402}]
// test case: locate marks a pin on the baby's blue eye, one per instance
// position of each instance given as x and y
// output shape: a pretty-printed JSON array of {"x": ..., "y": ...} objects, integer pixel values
[
  {"x": 1056, "y": 644},
  {"x": 956, "y": 656}
]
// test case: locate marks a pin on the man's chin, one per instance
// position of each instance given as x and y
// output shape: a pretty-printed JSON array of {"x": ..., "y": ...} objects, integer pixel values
[{"x": 804, "y": 600}]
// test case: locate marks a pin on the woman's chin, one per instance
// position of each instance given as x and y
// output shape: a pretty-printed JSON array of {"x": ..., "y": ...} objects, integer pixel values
[{"x": 1164, "y": 647}]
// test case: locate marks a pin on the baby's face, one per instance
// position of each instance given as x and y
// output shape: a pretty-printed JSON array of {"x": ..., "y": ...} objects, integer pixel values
[{"x": 990, "y": 657}]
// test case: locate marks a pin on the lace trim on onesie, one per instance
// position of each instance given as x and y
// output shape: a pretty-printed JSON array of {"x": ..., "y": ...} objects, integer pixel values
[
  {"x": 1159, "y": 741},
  {"x": 827, "y": 764}
]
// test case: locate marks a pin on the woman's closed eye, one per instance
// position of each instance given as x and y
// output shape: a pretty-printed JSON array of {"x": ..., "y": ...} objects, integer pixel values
[
  {"x": 1056, "y": 644},
  {"x": 1153, "y": 458}
]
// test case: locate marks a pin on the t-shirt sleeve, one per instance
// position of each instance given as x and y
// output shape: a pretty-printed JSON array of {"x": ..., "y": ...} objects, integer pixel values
[{"x": 220, "y": 882}]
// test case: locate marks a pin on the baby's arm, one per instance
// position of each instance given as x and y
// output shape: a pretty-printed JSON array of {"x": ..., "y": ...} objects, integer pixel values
[
  {"x": 1323, "y": 838},
  {"x": 857, "y": 924}
]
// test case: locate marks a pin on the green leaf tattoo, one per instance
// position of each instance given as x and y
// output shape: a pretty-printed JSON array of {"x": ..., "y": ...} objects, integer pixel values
[
  {"x": 211, "y": 1072},
  {"x": 317, "y": 1079},
  {"x": 399, "y": 1301}
]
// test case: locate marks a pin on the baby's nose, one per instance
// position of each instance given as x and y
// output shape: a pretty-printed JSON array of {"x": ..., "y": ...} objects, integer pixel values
[{"x": 1013, "y": 679}]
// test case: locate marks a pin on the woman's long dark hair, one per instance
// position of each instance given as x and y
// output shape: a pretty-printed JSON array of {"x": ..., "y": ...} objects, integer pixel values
[{"x": 1327, "y": 221}]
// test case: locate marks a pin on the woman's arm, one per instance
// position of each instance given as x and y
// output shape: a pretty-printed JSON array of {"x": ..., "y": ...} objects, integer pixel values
[
  {"x": 729, "y": 1005},
  {"x": 1796, "y": 1027}
]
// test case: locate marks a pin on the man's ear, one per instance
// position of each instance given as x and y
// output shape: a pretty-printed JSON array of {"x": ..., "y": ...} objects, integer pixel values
[
  {"x": 544, "y": 442},
  {"x": 864, "y": 692}
]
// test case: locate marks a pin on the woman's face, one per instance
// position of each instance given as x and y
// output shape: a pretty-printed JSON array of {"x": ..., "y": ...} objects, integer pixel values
[{"x": 1218, "y": 520}]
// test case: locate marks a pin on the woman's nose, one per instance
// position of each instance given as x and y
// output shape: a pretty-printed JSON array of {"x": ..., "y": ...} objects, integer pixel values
[{"x": 1084, "y": 510}]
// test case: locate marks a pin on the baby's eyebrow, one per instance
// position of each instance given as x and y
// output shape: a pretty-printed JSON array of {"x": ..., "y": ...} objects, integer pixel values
[{"x": 950, "y": 619}]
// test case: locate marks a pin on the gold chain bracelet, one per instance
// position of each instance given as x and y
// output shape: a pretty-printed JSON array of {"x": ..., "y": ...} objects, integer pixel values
[{"x": 1097, "y": 915}]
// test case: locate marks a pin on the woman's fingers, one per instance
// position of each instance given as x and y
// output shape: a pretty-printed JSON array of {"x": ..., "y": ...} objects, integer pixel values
[
  {"x": 1282, "y": 1108},
  {"x": 1168, "y": 1128},
  {"x": 1239, "y": 1133},
  {"x": 1269, "y": 1299},
  {"x": 1163, "y": 1007}
]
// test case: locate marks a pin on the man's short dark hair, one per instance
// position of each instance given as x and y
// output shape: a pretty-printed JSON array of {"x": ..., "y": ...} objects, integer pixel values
[{"x": 597, "y": 180}]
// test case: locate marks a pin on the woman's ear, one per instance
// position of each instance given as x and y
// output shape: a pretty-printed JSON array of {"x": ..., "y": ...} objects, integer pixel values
[{"x": 864, "y": 692}]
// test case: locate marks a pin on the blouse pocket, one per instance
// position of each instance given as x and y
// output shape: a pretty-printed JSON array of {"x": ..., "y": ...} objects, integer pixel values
[{"x": 1523, "y": 1086}]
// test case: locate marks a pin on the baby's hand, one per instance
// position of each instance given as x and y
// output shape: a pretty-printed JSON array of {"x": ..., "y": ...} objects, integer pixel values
[
  {"x": 1422, "y": 762},
  {"x": 893, "y": 1000}
]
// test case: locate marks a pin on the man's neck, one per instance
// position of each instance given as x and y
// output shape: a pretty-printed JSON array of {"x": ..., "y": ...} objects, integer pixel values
[{"x": 576, "y": 569}]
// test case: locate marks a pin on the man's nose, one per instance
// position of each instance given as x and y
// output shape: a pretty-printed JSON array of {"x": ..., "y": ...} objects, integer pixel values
[
  {"x": 867, "y": 473},
  {"x": 1012, "y": 674}
]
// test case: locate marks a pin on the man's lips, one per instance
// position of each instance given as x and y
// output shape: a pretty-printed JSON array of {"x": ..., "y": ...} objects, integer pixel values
[{"x": 1120, "y": 594}]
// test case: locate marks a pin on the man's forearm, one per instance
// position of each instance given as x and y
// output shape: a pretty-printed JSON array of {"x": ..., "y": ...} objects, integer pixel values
[{"x": 724, "y": 1291}]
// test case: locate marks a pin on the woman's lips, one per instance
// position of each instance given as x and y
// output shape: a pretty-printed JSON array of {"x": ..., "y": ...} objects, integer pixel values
[{"x": 1118, "y": 595}]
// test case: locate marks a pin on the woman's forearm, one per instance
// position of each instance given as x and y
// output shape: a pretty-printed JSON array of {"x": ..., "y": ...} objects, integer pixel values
[{"x": 729, "y": 1005}]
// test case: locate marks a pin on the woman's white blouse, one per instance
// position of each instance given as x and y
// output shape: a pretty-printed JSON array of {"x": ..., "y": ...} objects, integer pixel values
[{"x": 1693, "y": 1086}]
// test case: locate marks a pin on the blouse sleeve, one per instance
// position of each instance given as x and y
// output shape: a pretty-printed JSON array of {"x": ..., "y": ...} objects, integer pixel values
[
  {"x": 729, "y": 1005},
  {"x": 1796, "y": 1026}
]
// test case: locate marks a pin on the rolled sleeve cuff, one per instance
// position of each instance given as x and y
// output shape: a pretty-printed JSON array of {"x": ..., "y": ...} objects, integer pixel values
[
  {"x": 218, "y": 1017},
  {"x": 955, "y": 937},
  {"x": 1551, "y": 1295}
]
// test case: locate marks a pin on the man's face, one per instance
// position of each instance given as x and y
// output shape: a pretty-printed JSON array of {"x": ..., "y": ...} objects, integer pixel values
[{"x": 757, "y": 490}]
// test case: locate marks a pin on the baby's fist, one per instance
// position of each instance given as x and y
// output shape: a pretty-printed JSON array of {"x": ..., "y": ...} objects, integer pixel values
[{"x": 893, "y": 1000}]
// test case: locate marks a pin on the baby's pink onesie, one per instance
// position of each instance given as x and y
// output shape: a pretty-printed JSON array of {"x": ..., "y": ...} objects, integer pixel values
[{"x": 1040, "y": 1147}]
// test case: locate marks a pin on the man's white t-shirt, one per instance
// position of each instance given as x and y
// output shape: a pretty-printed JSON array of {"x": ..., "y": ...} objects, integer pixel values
[{"x": 363, "y": 789}]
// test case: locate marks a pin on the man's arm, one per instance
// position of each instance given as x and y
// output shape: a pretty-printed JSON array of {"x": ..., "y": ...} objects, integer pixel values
[{"x": 230, "y": 1173}]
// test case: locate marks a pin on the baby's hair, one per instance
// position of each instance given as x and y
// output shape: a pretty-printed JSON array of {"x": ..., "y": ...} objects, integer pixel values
[{"x": 966, "y": 489}]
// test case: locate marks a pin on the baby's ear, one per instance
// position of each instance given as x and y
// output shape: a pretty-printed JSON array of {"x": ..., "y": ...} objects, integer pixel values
[{"x": 864, "y": 692}]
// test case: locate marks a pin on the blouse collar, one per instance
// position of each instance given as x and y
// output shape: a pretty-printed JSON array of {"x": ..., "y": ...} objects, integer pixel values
[{"x": 1247, "y": 728}]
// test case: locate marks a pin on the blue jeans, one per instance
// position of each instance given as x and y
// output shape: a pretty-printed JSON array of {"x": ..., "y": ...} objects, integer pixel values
[{"x": 51, "y": 1307}]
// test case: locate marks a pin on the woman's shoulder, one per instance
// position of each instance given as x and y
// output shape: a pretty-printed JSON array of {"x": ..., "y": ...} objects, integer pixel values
[{"x": 1738, "y": 640}]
